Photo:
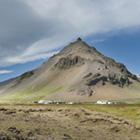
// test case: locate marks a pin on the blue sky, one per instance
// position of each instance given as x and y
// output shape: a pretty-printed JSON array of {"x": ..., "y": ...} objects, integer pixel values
[{"x": 32, "y": 31}]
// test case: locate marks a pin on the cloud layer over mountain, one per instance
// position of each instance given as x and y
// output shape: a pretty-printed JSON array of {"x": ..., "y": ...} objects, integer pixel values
[{"x": 36, "y": 29}]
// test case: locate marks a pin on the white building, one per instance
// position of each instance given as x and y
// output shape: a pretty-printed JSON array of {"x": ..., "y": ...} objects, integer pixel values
[
  {"x": 104, "y": 102},
  {"x": 44, "y": 102},
  {"x": 70, "y": 103}
]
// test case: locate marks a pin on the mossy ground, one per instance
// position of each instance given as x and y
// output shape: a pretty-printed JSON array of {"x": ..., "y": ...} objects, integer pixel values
[{"x": 28, "y": 95}]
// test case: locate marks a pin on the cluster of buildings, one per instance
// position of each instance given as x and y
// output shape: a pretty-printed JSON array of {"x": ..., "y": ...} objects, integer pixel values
[
  {"x": 105, "y": 102},
  {"x": 52, "y": 102},
  {"x": 99, "y": 102}
]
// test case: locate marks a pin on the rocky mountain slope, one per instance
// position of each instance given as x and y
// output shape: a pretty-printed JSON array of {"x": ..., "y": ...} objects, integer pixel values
[{"x": 78, "y": 73}]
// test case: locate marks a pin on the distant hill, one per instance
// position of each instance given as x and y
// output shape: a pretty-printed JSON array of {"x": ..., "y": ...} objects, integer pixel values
[{"x": 78, "y": 73}]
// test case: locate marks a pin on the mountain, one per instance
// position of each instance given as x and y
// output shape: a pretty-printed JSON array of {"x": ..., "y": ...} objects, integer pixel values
[{"x": 77, "y": 73}]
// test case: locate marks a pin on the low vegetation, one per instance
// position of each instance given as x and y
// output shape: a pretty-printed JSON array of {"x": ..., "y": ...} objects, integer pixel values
[{"x": 69, "y": 122}]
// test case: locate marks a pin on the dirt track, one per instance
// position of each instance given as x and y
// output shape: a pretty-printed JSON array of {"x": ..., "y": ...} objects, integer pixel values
[{"x": 62, "y": 123}]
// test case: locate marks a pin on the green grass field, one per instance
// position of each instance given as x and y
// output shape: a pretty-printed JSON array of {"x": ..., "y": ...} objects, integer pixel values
[
  {"x": 28, "y": 95},
  {"x": 127, "y": 111}
]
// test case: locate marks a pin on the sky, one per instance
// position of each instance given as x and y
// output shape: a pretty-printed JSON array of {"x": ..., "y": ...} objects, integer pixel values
[{"x": 33, "y": 30}]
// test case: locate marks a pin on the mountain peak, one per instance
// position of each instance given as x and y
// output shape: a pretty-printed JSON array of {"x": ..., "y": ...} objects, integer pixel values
[
  {"x": 77, "y": 45},
  {"x": 79, "y": 39},
  {"x": 80, "y": 47}
]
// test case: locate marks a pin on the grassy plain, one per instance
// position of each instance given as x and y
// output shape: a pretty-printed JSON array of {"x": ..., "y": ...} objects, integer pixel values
[{"x": 69, "y": 122}]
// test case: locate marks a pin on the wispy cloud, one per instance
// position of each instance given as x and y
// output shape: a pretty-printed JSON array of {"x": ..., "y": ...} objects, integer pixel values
[
  {"x": 5, "y": 72},
  {"x": 34, "y": 29}
]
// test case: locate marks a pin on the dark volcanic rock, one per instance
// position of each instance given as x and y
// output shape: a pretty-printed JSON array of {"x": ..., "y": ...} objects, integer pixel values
[
  {"x": 119, "y": 80},
  {"x": 67, "y": 62}
]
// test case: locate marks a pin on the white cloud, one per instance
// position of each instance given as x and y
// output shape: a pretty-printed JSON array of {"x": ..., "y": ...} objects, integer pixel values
[
  {"x": 85, "y": 16},
  {"x": 5, "y": 71},
  {"x": 29, "y": 58},
  {"x": 56, "y": 22}
]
